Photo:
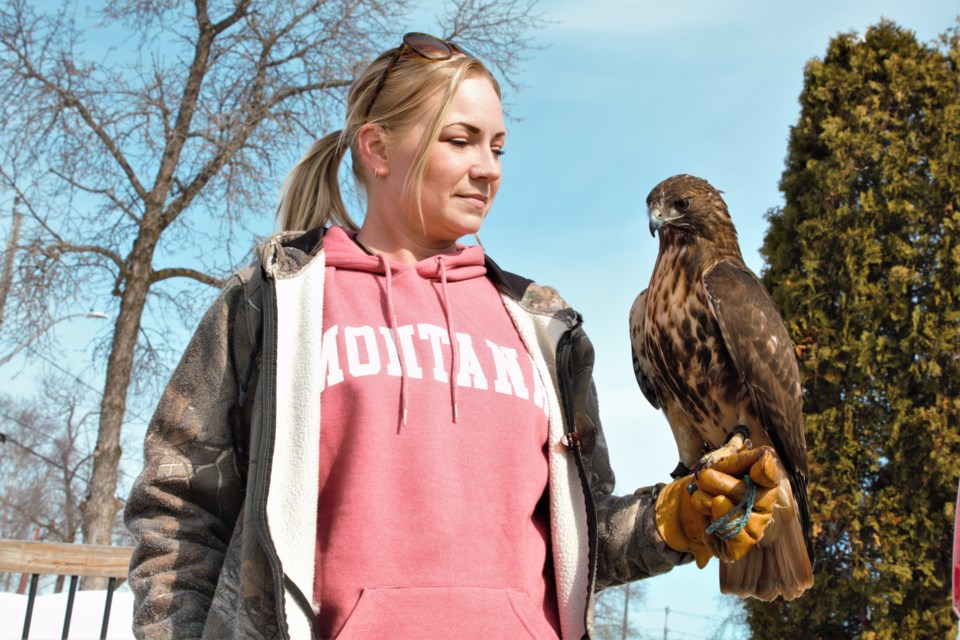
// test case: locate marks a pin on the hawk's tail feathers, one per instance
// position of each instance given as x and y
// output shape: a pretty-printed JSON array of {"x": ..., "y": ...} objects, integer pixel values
[{"x": 768, "y": 571}]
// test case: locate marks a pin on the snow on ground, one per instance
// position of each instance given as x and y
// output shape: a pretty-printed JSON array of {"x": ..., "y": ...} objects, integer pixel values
[{"x": 48, "y": 610}]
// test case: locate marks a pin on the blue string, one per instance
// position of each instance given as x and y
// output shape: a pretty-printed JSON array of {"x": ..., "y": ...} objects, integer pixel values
[{"x": 728, "y": 526}]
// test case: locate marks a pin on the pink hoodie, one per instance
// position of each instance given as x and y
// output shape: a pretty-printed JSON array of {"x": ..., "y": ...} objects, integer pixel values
[{"x": 433, "y": 511}]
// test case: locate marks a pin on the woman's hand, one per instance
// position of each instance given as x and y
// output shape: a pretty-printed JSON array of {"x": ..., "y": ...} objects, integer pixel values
[{"x": 722, "y": 510}]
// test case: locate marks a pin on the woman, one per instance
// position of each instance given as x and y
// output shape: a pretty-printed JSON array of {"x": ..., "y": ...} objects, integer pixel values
[{"x": 377, "y": 432}]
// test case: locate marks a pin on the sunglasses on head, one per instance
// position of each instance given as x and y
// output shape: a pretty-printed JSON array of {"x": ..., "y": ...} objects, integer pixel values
[{"x": 422, "y": 44}]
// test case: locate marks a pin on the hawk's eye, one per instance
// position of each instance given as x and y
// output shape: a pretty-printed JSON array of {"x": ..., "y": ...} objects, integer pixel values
[{"x": 681, "y": 204}]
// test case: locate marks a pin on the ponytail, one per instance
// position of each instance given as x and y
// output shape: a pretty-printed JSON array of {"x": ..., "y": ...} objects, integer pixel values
[{"x": 310, "y": 196}]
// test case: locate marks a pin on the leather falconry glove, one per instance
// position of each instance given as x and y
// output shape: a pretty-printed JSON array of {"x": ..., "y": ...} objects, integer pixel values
[
  {"x": 721, "y": 510},
  {"x": 680, "y": 524}
]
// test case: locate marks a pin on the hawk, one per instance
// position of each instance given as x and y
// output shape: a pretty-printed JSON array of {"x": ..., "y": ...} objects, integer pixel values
[{"x": 712, "y": 352}]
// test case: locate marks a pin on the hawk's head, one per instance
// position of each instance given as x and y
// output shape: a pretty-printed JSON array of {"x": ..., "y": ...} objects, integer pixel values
[{"x": 691, "y": 206}]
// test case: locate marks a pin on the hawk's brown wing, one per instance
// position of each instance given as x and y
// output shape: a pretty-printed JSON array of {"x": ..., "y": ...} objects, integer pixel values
[
  {"x": 640, "y": 365},
  {"x": 757, "y": 340}
]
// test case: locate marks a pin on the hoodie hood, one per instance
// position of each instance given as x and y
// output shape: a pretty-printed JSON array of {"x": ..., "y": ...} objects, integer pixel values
[{"x": 343, "y": 252}]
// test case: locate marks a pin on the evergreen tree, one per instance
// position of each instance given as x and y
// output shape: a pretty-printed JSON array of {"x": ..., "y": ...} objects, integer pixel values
[{"x": 864, "y": 262}]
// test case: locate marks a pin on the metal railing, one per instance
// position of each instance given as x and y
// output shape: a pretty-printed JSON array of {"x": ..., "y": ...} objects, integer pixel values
[{"x": 63, "y": 559}]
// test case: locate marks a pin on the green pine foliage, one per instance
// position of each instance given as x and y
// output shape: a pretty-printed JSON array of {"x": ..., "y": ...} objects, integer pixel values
[{"x": 864, "y": 262}]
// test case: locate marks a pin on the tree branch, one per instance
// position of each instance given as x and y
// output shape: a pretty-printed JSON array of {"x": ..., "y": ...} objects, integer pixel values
[
  {"x": 100, "y": 192},
  {"x": 291, "y": 92},
  {"x": 69, "y": 100},
  {"x": 26, "y": 202},
  {"x": 164, "y": 274},
  {"x": 207, "y": 33},
  {"x": 239, "y": 12},
  {"x": 66, "y": 247},
  {"x": 256, "y": 113}
]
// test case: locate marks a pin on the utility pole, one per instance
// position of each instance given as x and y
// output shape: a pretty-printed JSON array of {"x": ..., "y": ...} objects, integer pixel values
[
  {"x": 626, "y": 608},
  {"x": 6, "y": 277}
]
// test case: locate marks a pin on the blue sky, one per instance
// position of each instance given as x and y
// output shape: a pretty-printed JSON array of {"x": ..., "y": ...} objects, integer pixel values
[{"x": 624, "y": 94}]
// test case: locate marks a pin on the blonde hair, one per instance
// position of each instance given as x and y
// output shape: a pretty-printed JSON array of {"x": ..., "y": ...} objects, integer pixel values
[{"x": 310, "y": 196}]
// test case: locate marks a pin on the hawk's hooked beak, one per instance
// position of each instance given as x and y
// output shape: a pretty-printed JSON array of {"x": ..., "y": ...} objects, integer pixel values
[{"x": 656, "y": 221}]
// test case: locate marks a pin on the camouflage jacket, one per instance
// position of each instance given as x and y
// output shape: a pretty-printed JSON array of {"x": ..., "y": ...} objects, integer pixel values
[{"x": 224, "y": 512}]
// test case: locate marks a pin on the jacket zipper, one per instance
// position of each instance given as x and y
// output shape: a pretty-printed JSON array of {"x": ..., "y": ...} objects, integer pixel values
[
  {"x": 574, "y": 445},
  {"x": 265, "y": 461}
]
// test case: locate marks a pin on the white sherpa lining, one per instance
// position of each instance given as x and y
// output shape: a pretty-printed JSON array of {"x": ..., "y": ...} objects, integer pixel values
[
  {"x": 295, "y": 467},
  {"x": 568, "y": 509}
]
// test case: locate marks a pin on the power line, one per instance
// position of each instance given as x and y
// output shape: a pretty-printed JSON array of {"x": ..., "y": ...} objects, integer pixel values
[
  {"x": 690, "y": 615},
  {"x": 28, "y": 426},
  {"x": 127, "y": 410},
  {"x": 4, "y": 439},
  {"x": 670, "y": 633},
  {"x": 45, "y": 358},
  {"x": 672, "y": 610}
]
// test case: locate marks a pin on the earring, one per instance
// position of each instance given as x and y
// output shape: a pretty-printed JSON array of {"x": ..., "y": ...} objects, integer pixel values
[{"x": 376, "y": 172}]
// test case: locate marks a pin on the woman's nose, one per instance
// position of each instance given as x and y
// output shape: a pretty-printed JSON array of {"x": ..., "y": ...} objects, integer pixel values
[{"x": 487, "y": 168}]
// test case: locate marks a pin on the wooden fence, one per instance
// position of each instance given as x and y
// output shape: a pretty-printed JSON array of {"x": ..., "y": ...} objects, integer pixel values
[{"x": 74, "y": 560}]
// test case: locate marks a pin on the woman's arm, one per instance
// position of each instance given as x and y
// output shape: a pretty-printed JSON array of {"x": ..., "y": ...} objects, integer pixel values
[
  {"x": 184, "y": 505},
  {"x": 628, "y": 544}
]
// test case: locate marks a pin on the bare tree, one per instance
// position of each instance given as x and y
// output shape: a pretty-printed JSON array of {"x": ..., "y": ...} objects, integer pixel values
[
  {"x": 46, "y": 446},
  {"x": 136, "y": 162},
  {"x": 612, "y": 613},
  {"x": 46, "y": 454},
  {"x": 45, "y": 467}
]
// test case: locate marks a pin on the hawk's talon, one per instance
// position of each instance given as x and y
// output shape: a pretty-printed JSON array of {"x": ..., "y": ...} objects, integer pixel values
[
  {"x": 741, "y": 430},
  {"x": 738, "y": 440},
  {"x": 703, "y": 463},
  {"x": 680, "y": 471}
]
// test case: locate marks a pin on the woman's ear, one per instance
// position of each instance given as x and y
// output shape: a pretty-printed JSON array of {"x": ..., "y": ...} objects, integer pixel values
[{"x": 372, "y": 144}]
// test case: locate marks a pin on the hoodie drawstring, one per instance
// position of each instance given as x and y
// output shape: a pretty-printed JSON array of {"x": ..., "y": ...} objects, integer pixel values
[
  {"x": 454, "y": 346},
  {"x": 396, "y": 340}
]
